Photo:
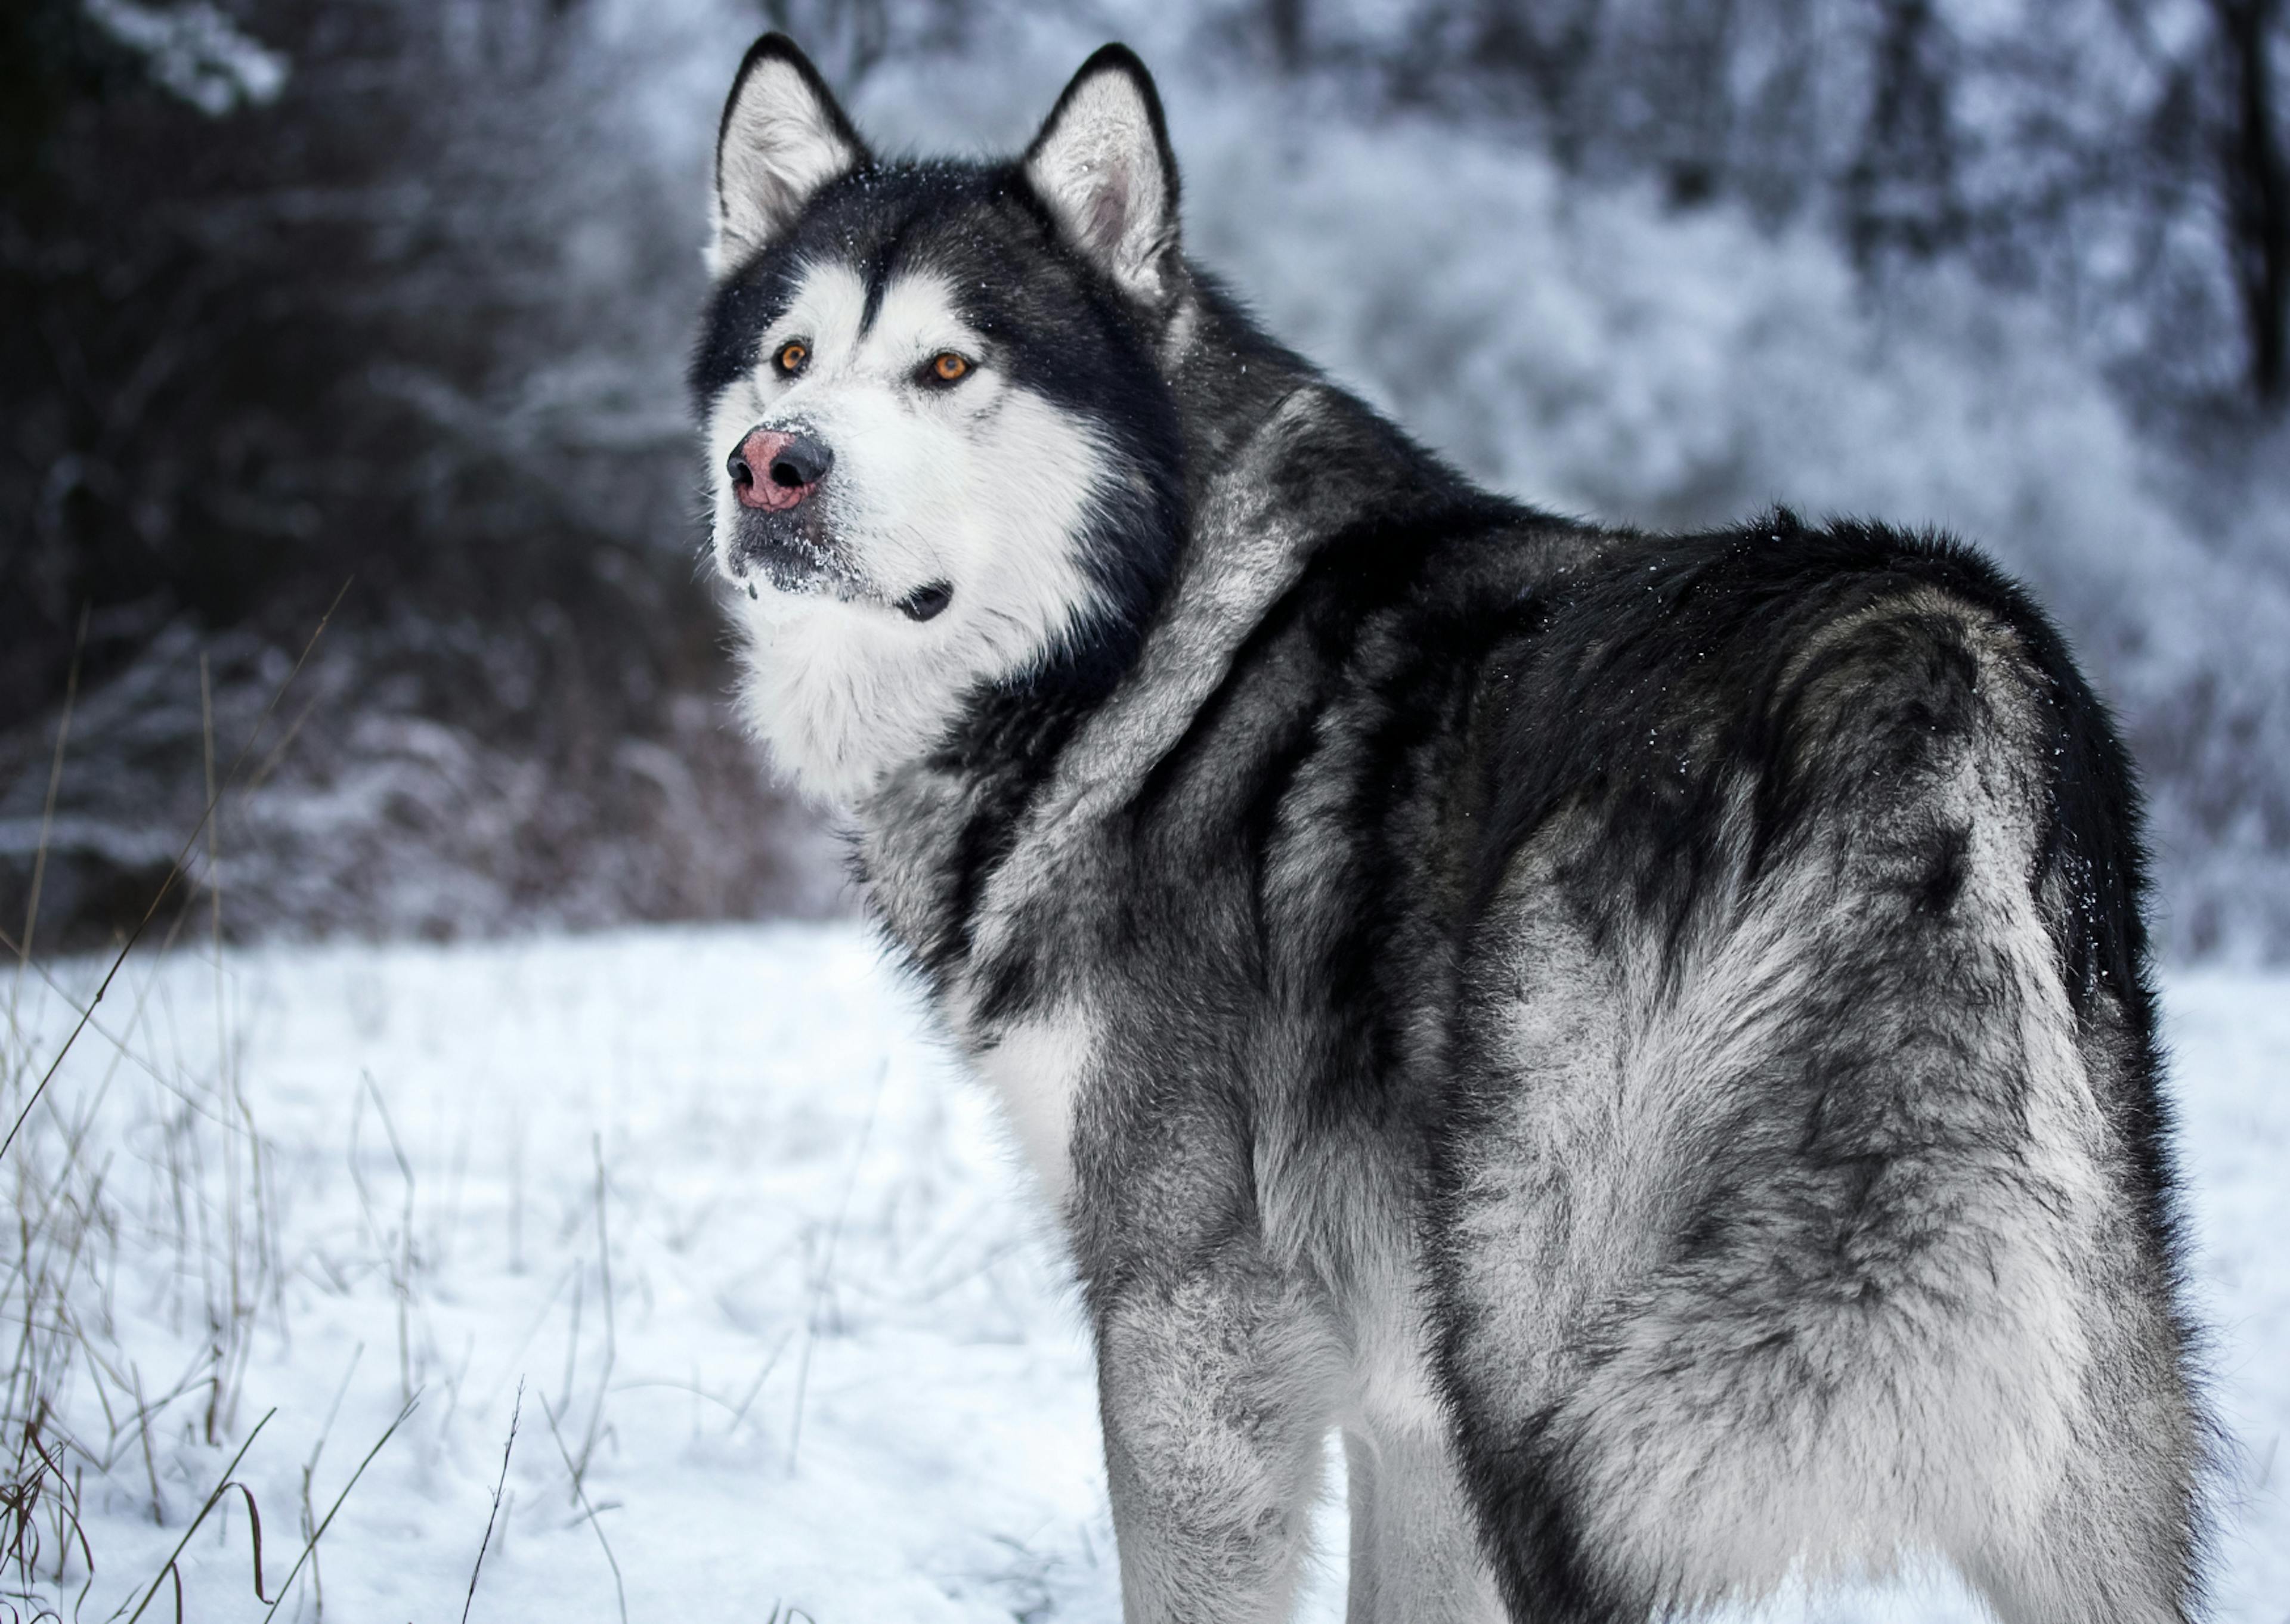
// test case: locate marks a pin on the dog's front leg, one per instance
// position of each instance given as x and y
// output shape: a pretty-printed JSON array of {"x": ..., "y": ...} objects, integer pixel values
[{"x": 1216, "y": 1378}]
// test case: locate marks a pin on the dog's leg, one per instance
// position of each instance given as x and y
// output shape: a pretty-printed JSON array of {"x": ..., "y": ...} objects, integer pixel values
[
  {"x": 2100, "y": 1562},
  {"x": 1359, "y": 1488},
  {"x": 1217, "y": 1379},
  {"x": 2116, "y": 1543},
  {"x": 1415, "y": 1555}
]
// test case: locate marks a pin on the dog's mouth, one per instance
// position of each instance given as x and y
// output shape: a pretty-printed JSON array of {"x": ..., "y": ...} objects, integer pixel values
[
  {"x": 799, "y": 571},
  {"x": 790, "y": 550},
  {"x": 926, "y": 603},
  {"x": 794, "y": 557}
]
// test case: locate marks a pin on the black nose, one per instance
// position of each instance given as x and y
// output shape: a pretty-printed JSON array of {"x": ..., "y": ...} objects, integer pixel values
[{"x": 803, "y": 460}]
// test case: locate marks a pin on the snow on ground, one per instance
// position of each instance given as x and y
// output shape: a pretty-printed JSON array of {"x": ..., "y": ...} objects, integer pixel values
[{"x": 754, "y": 1251}]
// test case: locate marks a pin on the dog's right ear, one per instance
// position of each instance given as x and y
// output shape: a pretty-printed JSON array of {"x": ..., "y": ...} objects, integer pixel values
[{"x": 782, "y": 138}]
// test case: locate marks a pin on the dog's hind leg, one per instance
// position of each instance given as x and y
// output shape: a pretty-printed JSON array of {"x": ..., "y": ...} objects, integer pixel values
[
  {"x": 2113, "y": 1551},
  {"x": 1217, "y": 1378},
  {"x": 2117, "y": 1539},
  {"x": 1416, "y": 1553}
]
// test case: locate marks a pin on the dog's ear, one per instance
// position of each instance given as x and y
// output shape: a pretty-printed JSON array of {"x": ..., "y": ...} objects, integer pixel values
[
  {"x": 1102, "y": 165},
  {"x": 782, "y": 138}
]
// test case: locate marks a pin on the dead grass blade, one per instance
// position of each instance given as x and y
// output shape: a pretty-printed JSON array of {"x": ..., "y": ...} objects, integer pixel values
[
  {"x": 48, "y": 809},
  {"x": 479, "y": 1567},
  {"x": 588, "y": 1511},
  {"x": 311, "y": 1544},
  {"x": 822, "y": 1278},
  {"x": 212, "y": 1501},
  {"x": 174, "y": 872}
]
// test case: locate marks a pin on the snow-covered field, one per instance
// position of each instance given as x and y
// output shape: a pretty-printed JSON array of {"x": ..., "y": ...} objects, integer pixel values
[{"x": 733, "y": 1243}]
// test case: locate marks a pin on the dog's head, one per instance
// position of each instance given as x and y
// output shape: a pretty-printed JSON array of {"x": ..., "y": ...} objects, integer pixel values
[{"x": 945, "y": 457}]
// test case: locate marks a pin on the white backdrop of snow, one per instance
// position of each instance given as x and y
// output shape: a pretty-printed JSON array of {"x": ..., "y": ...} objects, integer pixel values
[{"x": 847, "y": 1375}]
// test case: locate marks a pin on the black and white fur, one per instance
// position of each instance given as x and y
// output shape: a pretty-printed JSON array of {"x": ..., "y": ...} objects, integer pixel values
[{"x": 1651, "y": 1036}]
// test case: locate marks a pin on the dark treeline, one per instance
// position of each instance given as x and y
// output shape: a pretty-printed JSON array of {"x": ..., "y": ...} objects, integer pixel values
[
  {"x": 394, "y": 292},
  {"x": 391, "y": 300}
]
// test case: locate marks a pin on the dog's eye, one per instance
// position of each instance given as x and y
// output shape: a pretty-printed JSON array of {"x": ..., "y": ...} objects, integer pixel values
[
  {"x": 947, "y": 367},
  {"x": 791, "y": 356}
]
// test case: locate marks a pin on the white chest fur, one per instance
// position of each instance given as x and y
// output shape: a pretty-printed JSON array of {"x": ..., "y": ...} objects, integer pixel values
[{"x": 1037, "y": 1068}]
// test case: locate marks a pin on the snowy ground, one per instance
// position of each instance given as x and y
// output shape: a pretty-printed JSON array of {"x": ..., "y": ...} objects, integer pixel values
[{"x": 753, "y": 1250}]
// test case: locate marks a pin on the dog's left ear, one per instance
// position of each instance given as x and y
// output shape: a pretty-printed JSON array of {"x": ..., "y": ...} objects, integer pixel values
[
  {"x": 783, "y": 136},
  {"x": 1102, "y": 165}
]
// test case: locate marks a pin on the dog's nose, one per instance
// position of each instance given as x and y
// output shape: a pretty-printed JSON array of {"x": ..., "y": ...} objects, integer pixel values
[
  {"x": 802, "y": 461},
  {"x": 774, "y": 468}
]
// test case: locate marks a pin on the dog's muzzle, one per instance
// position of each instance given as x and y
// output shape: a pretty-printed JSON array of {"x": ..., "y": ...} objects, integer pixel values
[{"x": 787, "y": 537}]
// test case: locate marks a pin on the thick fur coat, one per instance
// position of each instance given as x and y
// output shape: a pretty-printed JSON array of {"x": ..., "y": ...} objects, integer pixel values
[{"x": 1649, "y": 1036}]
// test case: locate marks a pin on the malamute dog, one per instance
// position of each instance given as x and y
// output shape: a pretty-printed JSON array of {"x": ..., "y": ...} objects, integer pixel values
[{"x": 1650, "y": 1035}]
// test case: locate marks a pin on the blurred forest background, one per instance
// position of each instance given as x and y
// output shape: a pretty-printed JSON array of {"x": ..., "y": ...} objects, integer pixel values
[{"x": 396, "y": 293}]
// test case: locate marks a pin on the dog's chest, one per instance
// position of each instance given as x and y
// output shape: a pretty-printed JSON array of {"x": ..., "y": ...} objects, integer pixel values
[
  {"x": 1025, "y": 920},
  {"x": 1037, "y": 1068}
]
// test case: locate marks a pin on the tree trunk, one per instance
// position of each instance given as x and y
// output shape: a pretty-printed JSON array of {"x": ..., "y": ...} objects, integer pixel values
[{"x": 2256, "y": 176}]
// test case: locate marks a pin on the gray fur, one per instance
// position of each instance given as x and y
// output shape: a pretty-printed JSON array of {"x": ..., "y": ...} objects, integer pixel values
[{"x": 1648, "y": 1035}]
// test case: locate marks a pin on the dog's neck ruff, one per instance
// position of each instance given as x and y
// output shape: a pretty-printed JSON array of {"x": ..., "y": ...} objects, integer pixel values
[{"x": 1243, "y": 550}]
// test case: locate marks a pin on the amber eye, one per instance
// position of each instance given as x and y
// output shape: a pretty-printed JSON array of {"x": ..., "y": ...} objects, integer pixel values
[
  {"x": 946, "y": 367},
  {"x": 791, "y": 356}
]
